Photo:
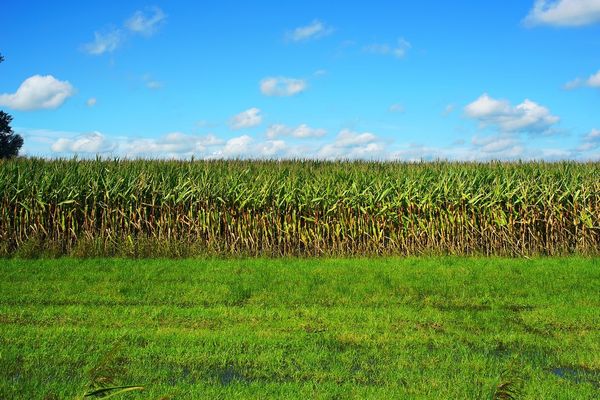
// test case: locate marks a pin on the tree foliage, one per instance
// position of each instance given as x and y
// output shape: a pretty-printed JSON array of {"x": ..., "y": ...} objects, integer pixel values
[{"x": 10, "y": 143}]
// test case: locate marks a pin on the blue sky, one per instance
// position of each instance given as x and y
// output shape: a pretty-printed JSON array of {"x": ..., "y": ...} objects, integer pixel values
[{"x": 458, "y": 80}]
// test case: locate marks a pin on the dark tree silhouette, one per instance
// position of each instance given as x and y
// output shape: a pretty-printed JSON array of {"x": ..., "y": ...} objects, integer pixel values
[{"x": 10, "y": 143}]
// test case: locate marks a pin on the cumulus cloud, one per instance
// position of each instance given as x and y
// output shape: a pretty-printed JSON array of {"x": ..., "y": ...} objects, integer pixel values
[
  {"x": 93, "y": 142},
  {"x": 238, "y": 146},
  {"x": 146, "y": 24},
  {"x": 348, "y": 144},
  {"x": 397, "y": 50},
  {"x": 271, "y": 148},
  {"x": 104, "y": 42},
  {"x": 592, "y": 81},
  {"x": 247, "y": 147},
  {"x": 174, "y": 144},
  {"x": 347, "y": 138},
  {"x": 525, "y": 117},
  {"x": 246, "y": 119},
  {"x": 302, "y": 131},
  {"x": 91, "y": 102},
  {"x": 564, "y": 12},
  {"x": 314, "y": 30},
  {"x": 353, "y": 145},
  {"x": 282, "y": 86},
  {"x": 38, "y": 92}
]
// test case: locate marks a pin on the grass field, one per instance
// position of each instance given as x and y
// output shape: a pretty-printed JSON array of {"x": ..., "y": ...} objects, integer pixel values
[{"x": 439, "y": 328}]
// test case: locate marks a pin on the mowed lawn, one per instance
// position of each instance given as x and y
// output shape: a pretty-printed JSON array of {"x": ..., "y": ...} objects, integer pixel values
[{"x": 415, "y": 328}]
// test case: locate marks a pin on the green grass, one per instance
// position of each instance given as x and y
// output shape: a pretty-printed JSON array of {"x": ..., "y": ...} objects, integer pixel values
[{"x": 455, "y": 328}]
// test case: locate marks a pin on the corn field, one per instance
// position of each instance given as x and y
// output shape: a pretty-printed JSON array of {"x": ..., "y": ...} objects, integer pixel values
[{"x": 151, "y": 208}]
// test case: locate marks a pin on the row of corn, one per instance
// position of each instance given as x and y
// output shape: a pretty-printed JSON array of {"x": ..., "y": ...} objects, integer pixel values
[{"x": 148, "y": 208}]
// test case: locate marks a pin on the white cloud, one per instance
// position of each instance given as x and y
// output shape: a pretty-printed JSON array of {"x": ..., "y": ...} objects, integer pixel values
[
  {"x": 94, "y": 142},
  {"x": 396, "y": 108},
  {"x": 370, "y": 151},
  {"x": 281, "y": 86},
  {"x": 146, "y": 24},
  {"x": 502, "y": 145},
  {"x": 91, "y": 102},
  {"x": 486, "y": 106},
  {"x": 557, "y": 155},
  {"x": 246, "y": 119},
  {"x": 481, "y": 149},
  {"x": 587, "y": 146},
  {"x": 277, "y": 130},
  {"x": 347, "y": 145},
  {"x": 347, "y": 138},
  {"x": 139, "y": 23},
  {"x": 174, "y": 145},
  {"x": 38, "y": 92},
  {"x": 593, "y": 135},
  {"x": 564, "y": 12},
  {"x": 398, "y": 50},
  {"x": 525, "y": 117},
  {"x": 271, "y": 148},
  {"x": 592, "y": 81},
  {"x": 305, "y": 131},
  {"x": 238, "y": 146},
  {"x": 302, "y": 131},
  {"x": 591, "y": 141},
  {"x": 39, "y": 141},
  {"x": 353, "y": 145},
  {"x": 314, "y": 30},
  {"x": 574, "y": 84},
  {"x": 246, "y": 147},
  {"x": 104, "y": 42}
]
